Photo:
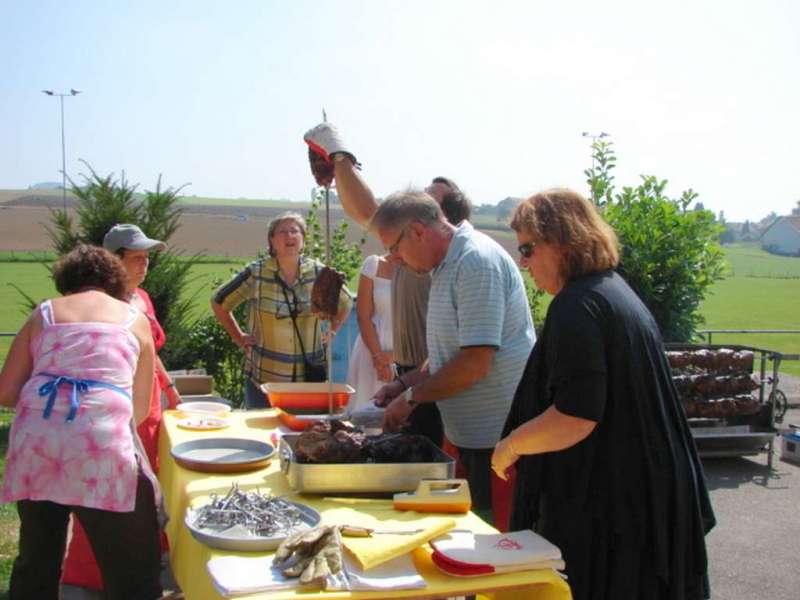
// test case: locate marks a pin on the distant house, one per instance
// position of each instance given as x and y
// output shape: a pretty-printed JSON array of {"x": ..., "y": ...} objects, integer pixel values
[{"x": 783, "y": 236}]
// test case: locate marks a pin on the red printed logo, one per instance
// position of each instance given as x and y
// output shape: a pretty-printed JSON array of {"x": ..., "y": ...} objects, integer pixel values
[{"x": 508, "y": 544}]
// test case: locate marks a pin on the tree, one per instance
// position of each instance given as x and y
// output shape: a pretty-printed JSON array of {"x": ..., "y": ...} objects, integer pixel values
[
  {"x": 796, "y": 209},
  {"x": 746, "y": 230},
  {"x": 601, "y": 182},
  {"x": 102, "y": 202},
  {"x": 670, "y": 255},
  {"x": 505, "y": 207}
]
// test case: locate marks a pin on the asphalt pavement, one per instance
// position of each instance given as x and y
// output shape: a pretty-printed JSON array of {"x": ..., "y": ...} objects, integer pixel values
[{"x": 754, "y": 551}]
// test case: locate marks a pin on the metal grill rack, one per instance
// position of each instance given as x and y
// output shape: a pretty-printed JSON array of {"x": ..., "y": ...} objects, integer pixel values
[{"x": 739, "y": 434}]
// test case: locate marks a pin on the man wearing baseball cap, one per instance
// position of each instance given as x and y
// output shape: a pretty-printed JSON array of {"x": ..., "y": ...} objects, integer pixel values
[{"x": 130, "y": 237}]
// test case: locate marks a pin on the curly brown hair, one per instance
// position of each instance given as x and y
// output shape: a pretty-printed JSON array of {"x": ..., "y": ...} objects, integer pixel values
[
  {"x": 90, "y": 266},
  {"x": 570, "y": 222}
]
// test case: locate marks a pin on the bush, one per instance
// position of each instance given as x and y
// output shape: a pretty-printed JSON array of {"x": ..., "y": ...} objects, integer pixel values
[
  {"x": 345, "y": 257},
  {"x": 670, "y": 255},
  {"x": 215, "y": 351},
  {"x": 103, "y": 202}
]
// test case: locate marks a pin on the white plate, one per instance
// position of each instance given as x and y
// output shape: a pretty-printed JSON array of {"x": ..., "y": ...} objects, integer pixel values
[
  {"x": 223, "y": 455},
  {"x": 203, "y": 423},
  {"x": 216, "y": 409}
]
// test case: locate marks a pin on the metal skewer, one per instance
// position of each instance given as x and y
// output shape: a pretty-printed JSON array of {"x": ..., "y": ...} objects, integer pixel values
[{"x": 329, "y": 349}]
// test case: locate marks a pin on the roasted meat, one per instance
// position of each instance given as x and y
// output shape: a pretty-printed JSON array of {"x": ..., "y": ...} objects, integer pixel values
[
  {"x": 708, "y": 386},
  {"x": 329, "y": 442},
  {"x": 393, "y": 448},
  {"x": 719, "y": 408},
  {"x": 334, "y": 442},
  {"x": 325, "y": 292},
  {"x": 715, "y": 383},
  {"x": 321, "y": 168},
  {"x": 722, "y": 360}
]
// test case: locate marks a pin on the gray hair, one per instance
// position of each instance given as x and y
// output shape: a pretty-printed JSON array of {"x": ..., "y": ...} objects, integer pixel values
[
  {"x": 292, "y": 216},
  {"x": 400, "y": 208}
]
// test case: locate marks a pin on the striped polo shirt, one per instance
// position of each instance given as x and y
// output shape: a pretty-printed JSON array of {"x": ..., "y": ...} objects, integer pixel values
[{"x": 477, "y": 298}]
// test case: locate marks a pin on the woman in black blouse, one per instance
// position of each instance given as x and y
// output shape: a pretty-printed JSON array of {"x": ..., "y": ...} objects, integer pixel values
[{"x": 606, "y": 466}]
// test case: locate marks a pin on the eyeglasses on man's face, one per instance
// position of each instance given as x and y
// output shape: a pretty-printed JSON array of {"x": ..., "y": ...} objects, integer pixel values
[
  {"x": 526, "y": 249},
  {"x": 393, "y": 248}
]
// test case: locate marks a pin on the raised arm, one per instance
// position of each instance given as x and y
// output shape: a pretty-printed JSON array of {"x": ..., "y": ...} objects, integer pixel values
[{"x": 356, "y": 197}]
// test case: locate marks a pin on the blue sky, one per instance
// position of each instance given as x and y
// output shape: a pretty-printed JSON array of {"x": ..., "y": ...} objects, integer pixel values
[{"x": 493, "y": 94}]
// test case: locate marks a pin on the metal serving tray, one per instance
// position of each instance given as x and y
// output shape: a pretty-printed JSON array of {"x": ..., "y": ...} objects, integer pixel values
[
  {"x": 239, "y": 540},
  {"x": 360, "y": 477}
]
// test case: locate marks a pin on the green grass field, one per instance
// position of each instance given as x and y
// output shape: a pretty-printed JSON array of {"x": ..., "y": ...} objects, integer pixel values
[
  {"x": 759, "y": 292},
  {"x": 748, "y": 260}
]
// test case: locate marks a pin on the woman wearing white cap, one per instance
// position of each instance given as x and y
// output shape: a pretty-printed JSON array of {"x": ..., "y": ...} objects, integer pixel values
[{"x": 133, "y": 247}]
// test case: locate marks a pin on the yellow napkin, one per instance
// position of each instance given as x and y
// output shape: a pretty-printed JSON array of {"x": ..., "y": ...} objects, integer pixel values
[{"x": 381, "y": 547}]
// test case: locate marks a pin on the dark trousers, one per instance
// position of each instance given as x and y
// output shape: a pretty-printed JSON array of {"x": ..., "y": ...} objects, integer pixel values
[
  {"x": 126, "y": 546},
  {"x": 254, "y": 397},
  {"x": 425, "y": 418}
]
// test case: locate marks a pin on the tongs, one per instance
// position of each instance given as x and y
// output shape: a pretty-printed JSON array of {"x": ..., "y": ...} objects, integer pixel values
[{"x": 348, "y": 414}]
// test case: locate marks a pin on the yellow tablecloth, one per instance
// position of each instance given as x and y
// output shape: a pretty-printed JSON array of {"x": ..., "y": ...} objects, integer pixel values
[{"x": 183, "y": 488}]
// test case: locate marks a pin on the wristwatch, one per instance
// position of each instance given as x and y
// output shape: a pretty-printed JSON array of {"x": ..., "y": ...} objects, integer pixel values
[{"x": 408, "y": 397}]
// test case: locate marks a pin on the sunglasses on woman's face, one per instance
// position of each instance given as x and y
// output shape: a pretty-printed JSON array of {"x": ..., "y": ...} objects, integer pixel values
[{"x": 526, "y": 250}]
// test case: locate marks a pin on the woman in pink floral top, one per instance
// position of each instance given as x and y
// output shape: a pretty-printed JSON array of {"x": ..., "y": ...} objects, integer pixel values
[{"x": 79, "y": 374}]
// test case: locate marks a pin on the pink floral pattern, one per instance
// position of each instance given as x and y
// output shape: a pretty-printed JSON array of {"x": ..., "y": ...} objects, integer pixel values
[{"x": 91, "y": 461}]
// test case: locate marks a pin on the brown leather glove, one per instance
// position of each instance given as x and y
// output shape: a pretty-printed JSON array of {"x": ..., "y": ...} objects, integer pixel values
[{"x": 317, "y": 553}]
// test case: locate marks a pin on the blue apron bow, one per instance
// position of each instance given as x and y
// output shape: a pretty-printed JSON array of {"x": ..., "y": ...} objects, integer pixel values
[{"x": 79, "y": 386}]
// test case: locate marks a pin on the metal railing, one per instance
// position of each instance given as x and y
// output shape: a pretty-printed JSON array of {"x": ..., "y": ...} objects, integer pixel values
[{"x": 707, "y": 333}]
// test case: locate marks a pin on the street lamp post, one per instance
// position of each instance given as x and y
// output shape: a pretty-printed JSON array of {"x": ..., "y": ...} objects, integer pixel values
[{"x": 61, "y": 96}]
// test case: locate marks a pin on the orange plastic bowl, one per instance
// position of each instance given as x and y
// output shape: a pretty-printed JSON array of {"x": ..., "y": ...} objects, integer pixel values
[{"x": 307, "y": 396}]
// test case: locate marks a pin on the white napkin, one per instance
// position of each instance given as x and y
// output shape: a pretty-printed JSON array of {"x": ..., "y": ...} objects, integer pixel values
[{"x": 236, "y": 575}]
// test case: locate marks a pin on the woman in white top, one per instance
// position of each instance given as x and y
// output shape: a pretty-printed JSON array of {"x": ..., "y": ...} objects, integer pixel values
[{"x": 371, "y": 359}]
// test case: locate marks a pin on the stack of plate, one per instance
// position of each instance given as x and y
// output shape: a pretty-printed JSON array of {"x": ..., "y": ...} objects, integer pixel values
[{"x": 204, "y": 415}]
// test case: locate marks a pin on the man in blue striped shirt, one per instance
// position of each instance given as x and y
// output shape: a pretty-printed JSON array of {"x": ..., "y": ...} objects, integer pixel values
[{"x": 479, "y": 327}]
